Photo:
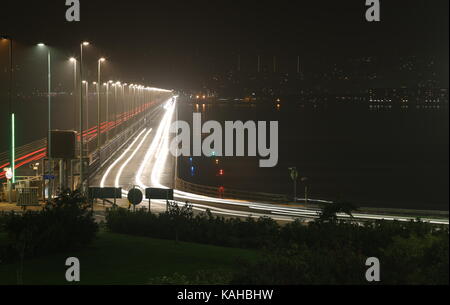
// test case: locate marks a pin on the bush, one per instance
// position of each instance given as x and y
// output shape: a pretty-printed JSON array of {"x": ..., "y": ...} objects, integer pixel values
[
  {"x": 300, "y": 265},
  {"x": 181, "y": 224},
  {"x": 201, "y": 277},
  {"x": 323, "y": 252},
  {"x": 64, "y": 224}
]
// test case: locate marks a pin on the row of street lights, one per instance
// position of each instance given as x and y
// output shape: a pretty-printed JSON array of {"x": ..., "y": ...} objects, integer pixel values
[{"x": 136, "y": 101}]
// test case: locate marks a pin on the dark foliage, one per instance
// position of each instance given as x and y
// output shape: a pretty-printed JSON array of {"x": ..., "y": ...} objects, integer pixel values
[
  {"x": 330, "y": 210},
  {"x": 63, "y": 224},
  {"x": 322, "y": 252}
]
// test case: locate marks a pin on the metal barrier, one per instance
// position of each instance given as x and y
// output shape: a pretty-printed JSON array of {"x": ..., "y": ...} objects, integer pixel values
[
  {"x": 27, "y": 196},
  {"x": 221, "y": 192},
  {"x": 100, "y": 158}
]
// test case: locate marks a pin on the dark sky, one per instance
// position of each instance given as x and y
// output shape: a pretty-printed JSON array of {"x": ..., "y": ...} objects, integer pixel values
[{"x": 169, "y": 42}]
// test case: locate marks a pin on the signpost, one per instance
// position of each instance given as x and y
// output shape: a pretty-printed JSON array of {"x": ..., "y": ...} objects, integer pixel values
[
  {"x": 155, "y": 193},
  {"x": 9, "y": 175},
  {"x": 294, "y": 176},
  {"x": 135, "y": 196},
  {"x": 105, "y": 193},
  {"x": 305, "y": 179}
]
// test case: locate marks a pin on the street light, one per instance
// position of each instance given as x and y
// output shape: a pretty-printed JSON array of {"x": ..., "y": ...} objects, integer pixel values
[
  {"x": 294, "y": 175},
  {"x": 115, "y": 108},
  {"x": 74, "y": 61},
  {"x": 49, "y": 136},
  {"x": 83, "y": 44},
  {"x": 124, "y": 114},
  {"x": 87, "y": 103},
  {"x": 107, "y": 110},
  {"x": 116, "y": 103},
  {"x": 11, "y": 115},
  {"x": 98, "y": 101},
  {"x": 305, "y": 180}
]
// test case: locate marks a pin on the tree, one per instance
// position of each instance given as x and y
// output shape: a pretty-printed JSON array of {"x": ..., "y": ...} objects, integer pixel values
[
  {"x": 329, "y": 211},
  {"x": 179, "y": 215}
]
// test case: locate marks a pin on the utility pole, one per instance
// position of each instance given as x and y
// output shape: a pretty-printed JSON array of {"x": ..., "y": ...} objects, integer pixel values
[
  {"x": 305, "y": 179},
  {"x": 49, "y": 101},
  {"x": 98, "y": 103},
  {"x": 294, "y": 175},
  {"x": 81, "y": 116},
  {"x": 12, "y": 120}
]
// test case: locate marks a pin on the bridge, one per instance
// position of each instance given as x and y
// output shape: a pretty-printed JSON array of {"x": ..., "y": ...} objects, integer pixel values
[{"x": 136, "y": 154}]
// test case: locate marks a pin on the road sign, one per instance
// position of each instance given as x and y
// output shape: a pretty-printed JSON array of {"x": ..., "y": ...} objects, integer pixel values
[
  {"x": 135, "y": 196},
  {"x": 105, "y": 192},
  {"x": 49, "y": 177},
  {"x": 294, "y": 173},
  {"x": 155, "y": 193},
  {"x": 9, "y": 173}
]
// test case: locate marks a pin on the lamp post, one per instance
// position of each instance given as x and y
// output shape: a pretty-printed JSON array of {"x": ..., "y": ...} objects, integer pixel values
[
  {"x": 294, "y": 175},
  {"x": 115, "y": 108},
  {"x": 107, "y": 108},
  {"x": 122, "y": 102},
  {"x": 87, "y": 103},
  {"x": 305, "y": 181},
  {"x": 118, "y": 85},
  {"x": 81, "y": 114},
  {"x": 125, "y": 107},
  {"x": 74, "y": 61},
  {"x": 11, "y": 115},
  {"x": 49, "y": 104},
  {"x": 98, "y": 101},
  {"x": 130, "y": 103}
]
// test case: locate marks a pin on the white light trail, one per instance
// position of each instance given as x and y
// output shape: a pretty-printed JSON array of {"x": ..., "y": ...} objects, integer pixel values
[
  {"x": 105, "y": 175},
  {"x": 119, "y": 173},
  {"x": 158, "y": 152}
]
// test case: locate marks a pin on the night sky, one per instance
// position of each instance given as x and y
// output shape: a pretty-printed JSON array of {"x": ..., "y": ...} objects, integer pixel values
[{"x": 171, "y": 42}]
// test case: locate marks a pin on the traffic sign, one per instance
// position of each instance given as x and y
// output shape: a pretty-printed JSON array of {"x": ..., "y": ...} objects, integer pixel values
[
  {"x": 105, "y": 192},
  {"x": 294, "y": 173},
  {"x": 135, "y": 196},
  {"x": 9, "y": 173},
  {"x": 155, "y": 193},
  {"x": 49, "y": 177}
]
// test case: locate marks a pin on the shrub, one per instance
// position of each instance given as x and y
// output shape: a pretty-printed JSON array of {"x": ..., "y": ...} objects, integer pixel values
[
  {"x": 64, "y": 224},
  {"x": 323, "y": 252}
]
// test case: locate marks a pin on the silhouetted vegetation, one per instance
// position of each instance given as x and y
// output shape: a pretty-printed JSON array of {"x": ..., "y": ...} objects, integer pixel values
[
  {"x": 320, "y": 252},
  {"x": 66, "y": 223},
  {"x": 330, "y": 211}
]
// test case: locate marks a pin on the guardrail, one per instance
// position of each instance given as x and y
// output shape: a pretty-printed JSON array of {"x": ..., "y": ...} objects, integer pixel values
[
  {"x": 27, "y": 196},
  {"x": 221, "y": 192},
  {"x": 36, "y": 150},
  {"x": 100, "y": 158}
]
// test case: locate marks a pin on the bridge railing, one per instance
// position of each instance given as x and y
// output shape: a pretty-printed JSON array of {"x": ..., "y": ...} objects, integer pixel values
[
  {"x": 221, "y": 192},
  {"x": 99, "y": 158}
]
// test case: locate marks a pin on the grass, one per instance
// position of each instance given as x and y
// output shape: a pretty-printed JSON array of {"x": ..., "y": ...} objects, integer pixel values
[{"x": 126, "y": 260}]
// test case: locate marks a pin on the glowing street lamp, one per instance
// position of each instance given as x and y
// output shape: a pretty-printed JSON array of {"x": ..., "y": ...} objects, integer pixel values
[
  {"x": 11, "y": 115},
  {"x": 87, "y": 103},
  {"x": 83, "y": 44},
  {"x": 49, "y": 144},
  {"x": 74, "y": 61},
  {"x": 98, "y": 100}
]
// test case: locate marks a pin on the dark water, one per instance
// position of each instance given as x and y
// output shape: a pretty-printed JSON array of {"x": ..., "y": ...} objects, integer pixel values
[{"x": 388, "y": 159}]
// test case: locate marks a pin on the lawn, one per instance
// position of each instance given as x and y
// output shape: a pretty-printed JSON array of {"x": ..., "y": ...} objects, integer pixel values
[{"x": 122, "y": 259}]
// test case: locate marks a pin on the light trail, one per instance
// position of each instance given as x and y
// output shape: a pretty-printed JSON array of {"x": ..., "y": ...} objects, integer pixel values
[
  {"x": 166, "y": 120},
  {"x": 157, "y": 154},
  {"x": 105, "y": 175},
  {"x": 119, "y": 173}
]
